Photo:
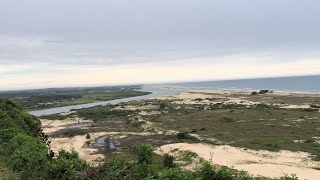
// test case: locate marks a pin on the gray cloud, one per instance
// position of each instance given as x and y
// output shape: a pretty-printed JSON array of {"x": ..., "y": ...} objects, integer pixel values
[{"x": 124, "y": 32}]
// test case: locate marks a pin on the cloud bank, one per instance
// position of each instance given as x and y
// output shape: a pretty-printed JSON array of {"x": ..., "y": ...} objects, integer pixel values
[{"x": 81, "y": 43}]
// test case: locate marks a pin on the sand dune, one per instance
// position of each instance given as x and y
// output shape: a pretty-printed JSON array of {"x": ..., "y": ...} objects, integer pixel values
[{"x": 261, "y": 163}]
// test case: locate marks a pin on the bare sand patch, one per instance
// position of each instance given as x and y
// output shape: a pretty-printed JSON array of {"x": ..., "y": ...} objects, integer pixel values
[
  {"x": 78, "y": 143},
  {"x": 260, "y": 163},
  {"x": 208, "y": 97},
  {"x": 50, "y": 126},
  {"x": 149, "y": 113},
  {"x": 292, "y": 106},
  {"x": 133, "y": 108}
]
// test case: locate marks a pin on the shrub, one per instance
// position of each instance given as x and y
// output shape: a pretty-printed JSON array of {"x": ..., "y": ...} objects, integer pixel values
[
  {"x": 208, "y": 172},
  {"x": 67, "y": 166},
  {"x": 185, "y": 136},
  {"x": 116, "y": 168},
  {"x": 145, "y": 153},
  {"x": 27, "y": 155},
  {"x": 88, "y": 136},
  {"x": 163, "y": 105},
  {"x": 175, "y": 174},
  {"x": 263, "y": 92},
  {"x": 254, "y": 93},
  {"x": 314, "y": 106},
  {"x": 168, "y": 161},
  {"x": 311, "y": 140}
]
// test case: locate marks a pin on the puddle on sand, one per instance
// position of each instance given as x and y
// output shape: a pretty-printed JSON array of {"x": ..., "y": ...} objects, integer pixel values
[{"x": 105, "y": 144}]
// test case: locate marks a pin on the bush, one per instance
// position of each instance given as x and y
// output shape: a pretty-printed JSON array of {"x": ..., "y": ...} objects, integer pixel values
[
  {"x": 314, "y": 106},
  {"x": 88, "y": 136},
  {"x": 254, "y": 93},
  {"x": 163, "y": 105},
  {"x": 145, "y": 153},
  {"x": 185, "y": 136},
  {"x": 168, "y": 161},
  {"x": 27, "y": 155},
  {"x": 263, "y": 92},
  {"x": 67, "y": 166},
  {"x": 9, "y": 175},
  {"x": 208, "y": 172},
  {"x": 311, "y": 140},
  {"x": 175, "y": 174},
  {"x": 116, "y": 168}
]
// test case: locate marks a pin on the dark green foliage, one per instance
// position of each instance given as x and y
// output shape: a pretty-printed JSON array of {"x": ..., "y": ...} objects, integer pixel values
[
  {"x": 88, "y": 136},
  {"x": 163, "y": 105},
  {"x": 14, "y": 119},
  {"x": 175, "y": 174},
  {"x": 208, "y": 172},
  {"x": 263, "y": 92},
  {"x": 311, "y": 140},
  {"x": 22, "y": 145},
  {"x": 100, "y": 113},
  {"x": 168, "y": 161},
  {"x": 9, "y": 176},
  {"x": 116, "y": 168},
  {"x": 145, "y": 153},
  {"x": 27, "y": 154},
  {"x": 185, "y": 136},
  {"x": 67, "y": 166},
  {"x": 311, "y": 110}
]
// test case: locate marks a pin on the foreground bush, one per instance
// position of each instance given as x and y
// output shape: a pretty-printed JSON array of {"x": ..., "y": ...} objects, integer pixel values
[{"x": 67, "y": 166}]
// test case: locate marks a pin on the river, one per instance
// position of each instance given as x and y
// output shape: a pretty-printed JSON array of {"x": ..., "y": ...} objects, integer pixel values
[{"x": 156, "y": 92}]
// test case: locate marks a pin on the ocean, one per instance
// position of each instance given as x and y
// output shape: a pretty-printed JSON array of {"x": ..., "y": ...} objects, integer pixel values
[{"x": 298, "y": 84}]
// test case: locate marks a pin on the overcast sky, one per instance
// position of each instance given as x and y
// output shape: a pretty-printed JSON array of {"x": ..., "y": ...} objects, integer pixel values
[{"x": 105, "y": 42}]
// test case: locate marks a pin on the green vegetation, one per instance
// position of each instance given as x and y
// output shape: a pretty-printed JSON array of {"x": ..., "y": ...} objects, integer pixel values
[
  {"x": 260, "y": 126},
  {"x": 25, "y": 154},
  {"x": 53, "y": 117},
  {"x": 50, "y": 98},
  {"x": 168, "y": 161},
  {"x": 256, "y": 127},
  {"x": 67, "y": 165}
]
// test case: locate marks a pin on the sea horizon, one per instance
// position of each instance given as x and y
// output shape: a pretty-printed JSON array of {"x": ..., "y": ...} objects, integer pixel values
[{"x": 294, "y": 84}]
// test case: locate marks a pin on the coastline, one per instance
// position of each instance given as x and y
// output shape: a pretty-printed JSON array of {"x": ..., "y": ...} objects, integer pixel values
[{"x": 234, "y": 90}]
